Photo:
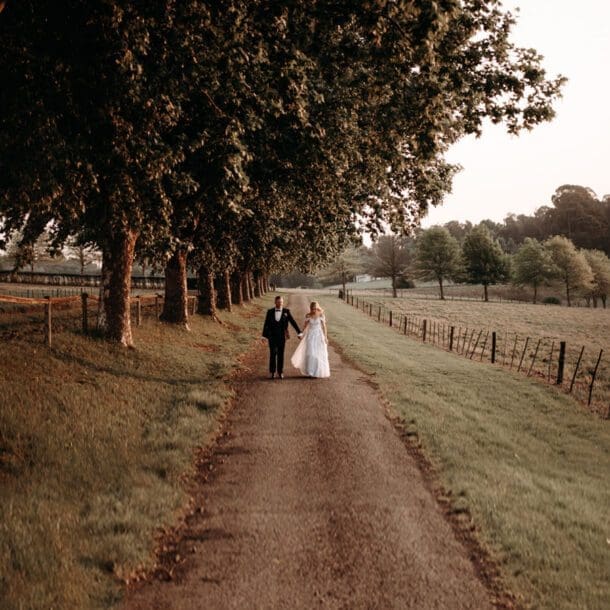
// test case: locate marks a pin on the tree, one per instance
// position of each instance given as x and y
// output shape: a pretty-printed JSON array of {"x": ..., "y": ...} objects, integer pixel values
[
  {"x": 85, "y": 254},
  {"x": 484, "y": 261},
  {"x": 438, "y": 256},
  {"x": 137, "y": 122},
  {"x": 600, "y": 266},
  {"x": 573, "y": 268},
  {"x": 391, "y": 257},
  {"x": 532, "y": 265},
  {"x": 344, "y": 267},
  {"x": 578, "y": 215}
]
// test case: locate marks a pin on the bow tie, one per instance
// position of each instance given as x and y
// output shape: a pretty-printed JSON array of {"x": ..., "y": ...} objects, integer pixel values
[{"x": 278, "y": 310}]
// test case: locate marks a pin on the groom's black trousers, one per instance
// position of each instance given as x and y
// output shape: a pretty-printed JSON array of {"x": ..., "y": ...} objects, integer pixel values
[{"x": 276, "y": 355}]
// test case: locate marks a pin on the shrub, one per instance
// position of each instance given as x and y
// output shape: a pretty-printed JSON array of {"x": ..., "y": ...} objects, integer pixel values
[{"x": 551, "y": 301}]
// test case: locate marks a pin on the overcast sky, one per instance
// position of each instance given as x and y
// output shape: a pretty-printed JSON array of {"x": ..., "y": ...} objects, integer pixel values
[{"x": 503, "y": 173}]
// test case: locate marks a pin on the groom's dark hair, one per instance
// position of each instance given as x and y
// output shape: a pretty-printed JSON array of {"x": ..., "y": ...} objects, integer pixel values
[{"x": 279, "y": 296}]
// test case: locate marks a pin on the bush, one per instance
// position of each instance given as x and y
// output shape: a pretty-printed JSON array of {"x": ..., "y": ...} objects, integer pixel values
[
  {"x": 551, "y": 301},
  {"x": 404, "y": 283}
]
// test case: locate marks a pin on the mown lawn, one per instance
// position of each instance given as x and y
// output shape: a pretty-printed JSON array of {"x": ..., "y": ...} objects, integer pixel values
[
  {"x": 94, "y": 441},
  {"x": 528, "y": 462}
]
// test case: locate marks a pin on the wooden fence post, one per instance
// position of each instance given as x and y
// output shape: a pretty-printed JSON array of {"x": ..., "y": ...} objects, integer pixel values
[
  {"x": 601, "y": 351},
  {"x": 562, "y": 362},
  {"x": 534, "y": 358},
  {"x": 576, "y": 369},
  {"x": 424, "y": 331},
  {"x": 527, "y": 340},
  {"x": 371, "y": 309},
  {"x": 138, "y": 311},
  {"x": 391, "y": 324},
  {"x": 550, "y": 360},
  {"x": 493, "y": 347},
  {"x": 48, "y": 320},
  {"x": 451, "y": 331},
  {"x": 379, "y": 314},
  {"x": 474, "y": 347},
  {"x": 84, "y": 296}
]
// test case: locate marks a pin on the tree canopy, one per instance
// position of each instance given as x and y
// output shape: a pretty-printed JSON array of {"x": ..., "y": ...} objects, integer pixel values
[{"x": 261, "y": 135}]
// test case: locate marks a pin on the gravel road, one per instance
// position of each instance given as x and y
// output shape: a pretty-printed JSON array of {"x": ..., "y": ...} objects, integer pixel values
[{"x": 314, "y": 502}]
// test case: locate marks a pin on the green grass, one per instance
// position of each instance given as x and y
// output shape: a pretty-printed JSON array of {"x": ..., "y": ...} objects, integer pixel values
[
  {"x": 94, "y": 443},
  {"x": 550, "y": 324},
  {"x": 529, "y": 464}
]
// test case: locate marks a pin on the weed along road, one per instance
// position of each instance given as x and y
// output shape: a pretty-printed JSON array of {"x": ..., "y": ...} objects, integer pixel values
[{"x": 314, "y": 502}]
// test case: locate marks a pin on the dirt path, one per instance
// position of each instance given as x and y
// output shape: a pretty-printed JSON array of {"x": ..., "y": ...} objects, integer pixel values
[{"x": 315, "y": 503}]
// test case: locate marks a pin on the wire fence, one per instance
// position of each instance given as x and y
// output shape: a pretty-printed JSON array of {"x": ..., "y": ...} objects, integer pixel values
[
  {"x": 49, "y": 315},
  {"x": 580, "y": 371}
]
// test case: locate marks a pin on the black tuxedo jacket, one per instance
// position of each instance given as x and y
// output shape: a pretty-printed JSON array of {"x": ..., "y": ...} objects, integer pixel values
[{"x": 278, "y": 331}]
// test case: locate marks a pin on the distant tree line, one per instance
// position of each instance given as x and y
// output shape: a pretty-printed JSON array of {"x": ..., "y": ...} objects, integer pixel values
[
  {"x": 242, "y": 137},
  {"x": 436, "y": 255},
  {"x": 576, "y": 213}
]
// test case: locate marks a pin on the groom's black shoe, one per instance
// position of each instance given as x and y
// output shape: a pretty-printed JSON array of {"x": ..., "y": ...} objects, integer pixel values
[
  {"x": 272, "y": 376},
  {"x": 281, "y": 375}
]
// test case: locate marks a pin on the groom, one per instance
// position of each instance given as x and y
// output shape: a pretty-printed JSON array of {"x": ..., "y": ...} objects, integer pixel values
[{"x": 275, "y": 331}]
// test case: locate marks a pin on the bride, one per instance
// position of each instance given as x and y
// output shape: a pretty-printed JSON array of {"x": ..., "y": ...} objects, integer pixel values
[{"x": 311, "y": 355}]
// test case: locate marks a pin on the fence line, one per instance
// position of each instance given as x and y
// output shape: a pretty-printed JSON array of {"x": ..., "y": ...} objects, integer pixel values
[
  {"x": 85, "y": 300},
  {"x": 552, "y": 367}
]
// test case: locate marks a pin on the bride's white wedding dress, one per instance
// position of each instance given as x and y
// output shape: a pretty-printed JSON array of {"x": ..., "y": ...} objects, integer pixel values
[{"x": 311, "y": 355}]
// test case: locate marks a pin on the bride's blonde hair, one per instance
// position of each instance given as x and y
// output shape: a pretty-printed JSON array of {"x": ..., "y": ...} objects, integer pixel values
[{"x": 315, "y": 305}]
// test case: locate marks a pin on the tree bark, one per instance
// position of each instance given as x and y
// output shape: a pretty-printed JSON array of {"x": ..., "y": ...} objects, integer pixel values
[
  {"x": 603, "y": 297},
  {"x": 535, "y": 293},
  {"x": 251, "y": 284},
  {"x": 206, "y": 302},
  {"x": 568, "y": 294},
  {"x": 175, "y": 305},
  {"x": 485, "y": 293},
  {"x": 257, "y": 285},
  {"x": 114, "y": 314},
  {"x": 246, "y": 287},
  {"x": 394, "y": 292},
  {"x": 440, "y": 285},
  {"x": 223, "y": 290},
  {"x": 237, "y": 295}
]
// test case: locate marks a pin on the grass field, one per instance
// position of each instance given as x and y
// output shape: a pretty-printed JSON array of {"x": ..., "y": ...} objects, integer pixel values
[
  {"x": 94, "y": 441},
  {"x": 530, "y": 466},
  {"x": 514, "y": 322}
]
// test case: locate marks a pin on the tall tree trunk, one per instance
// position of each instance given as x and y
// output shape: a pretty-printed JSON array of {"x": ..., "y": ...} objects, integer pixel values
[
  {"x": 223, "y": 290},
  {"x": 485, "y": 292},
  {"x": 603, "y": 297},
  {"x": 535, "y": 293},
  {"x": 257, "y": 285},
  {"x": 114, "y": 315},
  {"x": 245, "y": 282},
  {"x": 568, "y": 294},
  {"x": 175, "y": 306},
  {"x": 227, "y": 290},
  {"x": 440, "y": 285},
  {"x": 237, "y": 295},
  {"x": 394, "y": 292},
  {"x": 250, "y": 277},
  {"x": 206, "y": 302},
  {"x": 266, "y": 283}
]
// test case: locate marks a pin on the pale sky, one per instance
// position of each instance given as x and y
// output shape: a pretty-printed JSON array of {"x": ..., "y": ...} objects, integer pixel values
[{"x": 503, "y": 173}]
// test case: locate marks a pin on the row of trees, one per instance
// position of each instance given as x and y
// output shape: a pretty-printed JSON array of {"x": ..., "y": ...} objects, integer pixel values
[
  {"x": 481, "y": 260},
  {"x": 434, "y": 254},
  {"x": 242, "y": 137}
]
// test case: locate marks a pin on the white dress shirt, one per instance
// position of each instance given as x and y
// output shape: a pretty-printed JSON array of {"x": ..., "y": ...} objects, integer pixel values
[{"x": 278, "y": 315}]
